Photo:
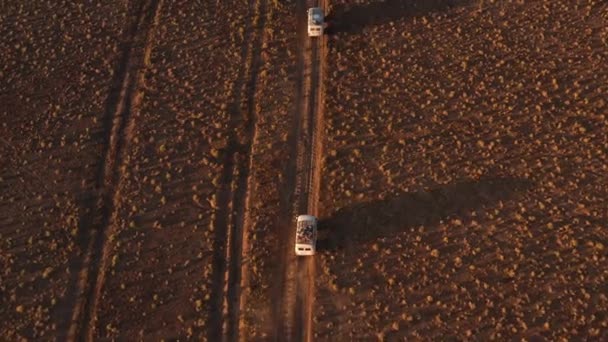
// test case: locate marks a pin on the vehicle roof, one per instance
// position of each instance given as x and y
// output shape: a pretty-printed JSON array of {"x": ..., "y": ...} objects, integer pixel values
[
  {"x": 306, "y": 218},
  {"x": 315, "y": 10}
]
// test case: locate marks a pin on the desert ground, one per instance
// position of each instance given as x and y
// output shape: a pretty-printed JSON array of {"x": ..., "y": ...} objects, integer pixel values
[
  {"x": 154, "y": 155},
  {"x": 56, "y": 74},
  {"x": 465, "y": 179}
]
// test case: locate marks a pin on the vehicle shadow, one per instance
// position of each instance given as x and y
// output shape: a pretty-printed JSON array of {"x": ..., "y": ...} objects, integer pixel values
[
  {"x": 365, "y": 222},
  {"x": 353, "y": 18}
]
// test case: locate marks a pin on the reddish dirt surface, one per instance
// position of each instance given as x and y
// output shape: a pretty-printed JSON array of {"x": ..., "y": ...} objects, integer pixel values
[
  {"x": 168, "y": 267},
  {"x": 55, "y": 76},
  {"x": 148, "y": 167},
  {"x": 272, "y": 186},
  {"x": 150, "y": 247},
  {"x": 464, "y": 189}
]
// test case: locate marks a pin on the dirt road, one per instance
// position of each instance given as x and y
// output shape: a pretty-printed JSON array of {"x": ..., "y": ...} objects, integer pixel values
[
  {"x": 231, "y": 222},
  {"x": 99, "y": 221},
  {"x": 296, "y": 296}
]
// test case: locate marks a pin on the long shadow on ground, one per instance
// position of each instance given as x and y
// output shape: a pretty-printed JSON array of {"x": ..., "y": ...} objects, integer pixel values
[
  {"x": 363, "y": 222},
  {"x": 353, "y": 18}
]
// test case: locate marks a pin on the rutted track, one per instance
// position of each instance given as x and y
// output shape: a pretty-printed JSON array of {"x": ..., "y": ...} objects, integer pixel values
[
  {"x": 231, "y": 219},
  {"x": 98, "y": 222},
  {"x": 283, "y": 294},
  {"x": 306, "y": 266},
  {"x": 296, "y": 295}
]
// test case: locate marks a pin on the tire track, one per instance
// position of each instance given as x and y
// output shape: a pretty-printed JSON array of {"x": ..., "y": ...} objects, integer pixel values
[
  {"x": 317, "y": 166},
  {"x": 293, "y": 317},
  {"x": 292, "y": 194},
  {"x": 97, "y": 225},
  {"x": 236, "y": 324},
  {"x": 237, "y": 274},
  {"x": 303, "y": 265},
  {"x": 306, "y": 267},
  {"x": 231, "y": 220}
]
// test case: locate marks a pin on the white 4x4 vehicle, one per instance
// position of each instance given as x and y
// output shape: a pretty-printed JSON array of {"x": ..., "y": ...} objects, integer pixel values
[
  {"x": 315, "y": 22},
  {"x": 306, "y": 235}
]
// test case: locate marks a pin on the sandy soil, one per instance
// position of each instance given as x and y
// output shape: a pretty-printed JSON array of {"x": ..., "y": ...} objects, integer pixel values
[
  {"x": 465, "y": 175},
  {"x": 56, "y": 70},
  {"x": 168, "y": 265},
  {"x": 271, "y": 193},
  {"x": 148, "y": 167},
  {"x": 127, "y": 153}
]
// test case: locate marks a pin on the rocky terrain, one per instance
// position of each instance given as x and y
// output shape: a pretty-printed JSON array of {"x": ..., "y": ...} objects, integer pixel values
[
  {"x": 465, "y": 180},
  {"x": 150, "y": 165}
]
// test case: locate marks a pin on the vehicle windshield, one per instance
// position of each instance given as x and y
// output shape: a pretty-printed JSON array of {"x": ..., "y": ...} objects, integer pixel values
[{"x": 305, "y": 233}]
